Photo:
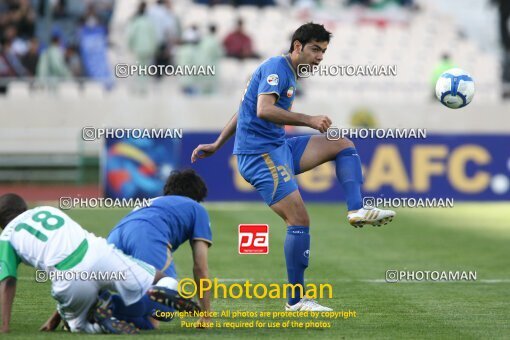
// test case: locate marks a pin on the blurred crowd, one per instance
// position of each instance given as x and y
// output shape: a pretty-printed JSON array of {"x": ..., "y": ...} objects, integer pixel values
[
  {"x": 47, "y": 39},
  {"x": 259, "y": 3},
  {"x": 68, "y": 39},
  {"x": 263, "y": 3},
  {"x": 381, "y": 3},
  {"x": 156, "y": 37},
  {"x": 52, "y": 40}
]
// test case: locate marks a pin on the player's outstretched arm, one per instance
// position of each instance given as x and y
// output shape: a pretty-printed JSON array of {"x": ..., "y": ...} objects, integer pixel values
[
  {"x": 268, "y": 111},
  {"x": 206, "y": 150},
  {"x": 201, "y": 272},
  {"x": 7, "y": 292}
]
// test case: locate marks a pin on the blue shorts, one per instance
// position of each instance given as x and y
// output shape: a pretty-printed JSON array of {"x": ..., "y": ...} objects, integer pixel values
[
  {"x": 141, "y": 240},
  {"x": 273, "y": 173}
]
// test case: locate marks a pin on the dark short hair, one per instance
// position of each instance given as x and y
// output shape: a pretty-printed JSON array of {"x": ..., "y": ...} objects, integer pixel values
[
  {"x": 11, "y": 205},
  {"x": 186, "y": 183},
  {"x": 308, "y": 32}
]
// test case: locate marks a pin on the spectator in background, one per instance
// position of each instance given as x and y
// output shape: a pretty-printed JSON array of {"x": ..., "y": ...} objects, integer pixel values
[
  {"x": 18, "y": 45},
  {"x": 378, "y": 4},
  {"x": 5, "y": 70},
  {"x": 192, "y": 34},
  {"x": 23, "y": 17},
  {"x": 143, "y": 43},
  {"x": 93, "y": 45},
  {"x": 60, "y": 10},
  {"x": 188, "y": 54},
  {"x": 167, "y": 24},
  {"x": 73, "y": 61},
  {"x": 163, "y": 57},
  {"x": 168, "y": 30},
  {"x": 443, "y": 65},
  {"x": 15, "y": 67},
  {"x": 17, "y": 15},
  {"x": 91, "y": 18},
  {"x": 504, "y": 28},
  {"x": 366, "y": 3},
  {"x": 52, "y": 63},
  {"x": 31, "y": 58},
  {"x": 142, "y": 36},
  {"x": 104, "y": 10},
  {"x": 236, "y": 3},
  {"x": 504, "y": 22},
  {"x": 210, "y": 52},
  {"x": 238, "y": 44},
  {"x": 64, "y": 24}
]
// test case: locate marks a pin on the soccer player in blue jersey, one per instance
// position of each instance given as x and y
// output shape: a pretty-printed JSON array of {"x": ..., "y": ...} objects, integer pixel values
[
  {"x": 153, "y": 233},
  {"x": 269, "y": 161}
]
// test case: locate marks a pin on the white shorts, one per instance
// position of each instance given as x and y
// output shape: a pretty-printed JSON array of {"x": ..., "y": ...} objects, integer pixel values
[{"x": 130, "y": 277}]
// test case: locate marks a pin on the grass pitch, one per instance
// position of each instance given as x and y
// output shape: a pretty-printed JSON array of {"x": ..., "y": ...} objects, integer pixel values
[{"x": 470, "y": 237}]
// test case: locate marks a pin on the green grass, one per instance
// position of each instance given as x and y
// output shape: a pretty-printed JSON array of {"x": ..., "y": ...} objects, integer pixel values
[{"x": 472, "y": 237}]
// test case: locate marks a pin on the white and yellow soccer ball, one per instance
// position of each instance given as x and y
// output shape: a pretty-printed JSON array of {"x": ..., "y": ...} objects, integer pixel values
[{"x": 455, "y": 88}]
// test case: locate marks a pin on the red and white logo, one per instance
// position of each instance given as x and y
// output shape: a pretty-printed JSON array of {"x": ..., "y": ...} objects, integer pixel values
[{"x": 253, "y": 239}]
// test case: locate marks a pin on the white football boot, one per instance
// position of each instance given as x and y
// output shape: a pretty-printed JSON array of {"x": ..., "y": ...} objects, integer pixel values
[
  {"x": 374, "y": 216},
  {"x": 306, "y": 304}
]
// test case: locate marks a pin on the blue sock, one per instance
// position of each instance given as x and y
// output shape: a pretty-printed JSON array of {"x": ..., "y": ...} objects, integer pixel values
[
  {"x": 143, "y": 307},
  {"x": 297, "y": 252},
  {"x": 348, "y": 172}
]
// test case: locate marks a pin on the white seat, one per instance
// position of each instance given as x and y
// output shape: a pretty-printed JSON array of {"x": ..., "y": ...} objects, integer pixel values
[
  {"x": 18, "y": 89},
  {"x": 93, "y": 89},
  {"x": 69, "y": 89}
]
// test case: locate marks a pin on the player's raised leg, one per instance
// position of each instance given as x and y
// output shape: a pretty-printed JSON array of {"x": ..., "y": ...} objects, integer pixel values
[
  {"x": 297, "y": 250},
  {"x": 319, "y": 150},
  {"x": 272, "y": 174}
]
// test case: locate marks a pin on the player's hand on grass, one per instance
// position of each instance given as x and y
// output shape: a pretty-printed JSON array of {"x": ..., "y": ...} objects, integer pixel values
[
  {"x": 48, "y": 326},
  {"x": 203, "y": 151},
  {"x": 52, "y": 323},
  {"x": 203, "y": 323},
  {"x": 321, "y": 123}
]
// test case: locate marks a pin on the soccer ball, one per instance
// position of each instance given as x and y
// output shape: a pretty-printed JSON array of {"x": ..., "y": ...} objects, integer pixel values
[{"x": 455, "y": 88}]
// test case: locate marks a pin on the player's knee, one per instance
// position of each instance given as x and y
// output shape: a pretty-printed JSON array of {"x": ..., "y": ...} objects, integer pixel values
[
  {"x": 350, "y": 144},
  {"x": 345, "y": 143},
  {"x": 299, "y": 219},
  {"x": 338, "y": 146}
]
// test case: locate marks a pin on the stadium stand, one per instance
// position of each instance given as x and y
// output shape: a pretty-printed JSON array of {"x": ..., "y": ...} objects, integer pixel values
[{"x": 414, "y": 40}]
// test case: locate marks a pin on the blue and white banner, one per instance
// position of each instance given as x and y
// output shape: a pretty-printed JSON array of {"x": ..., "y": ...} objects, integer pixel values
[{"x": 463, "y": 167}]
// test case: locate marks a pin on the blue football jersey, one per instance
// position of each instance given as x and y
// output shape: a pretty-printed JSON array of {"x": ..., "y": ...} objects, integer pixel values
[
  {"x": 254, "y": 135},
  {"x": 179, "y": 218}
]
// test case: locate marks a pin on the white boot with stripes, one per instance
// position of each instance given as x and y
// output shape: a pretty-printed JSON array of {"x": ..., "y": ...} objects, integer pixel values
[{"x": 374, "y": 216}]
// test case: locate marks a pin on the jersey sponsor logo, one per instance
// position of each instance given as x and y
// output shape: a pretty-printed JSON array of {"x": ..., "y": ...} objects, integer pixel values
[
  {"x": 253, "y": 239},
  {"x": 273, "y": 79},
  {"x": 290, "y": 91}
]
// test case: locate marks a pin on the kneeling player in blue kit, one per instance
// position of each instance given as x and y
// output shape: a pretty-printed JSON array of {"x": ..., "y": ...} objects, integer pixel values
[{"x": 154, "y": 232}]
